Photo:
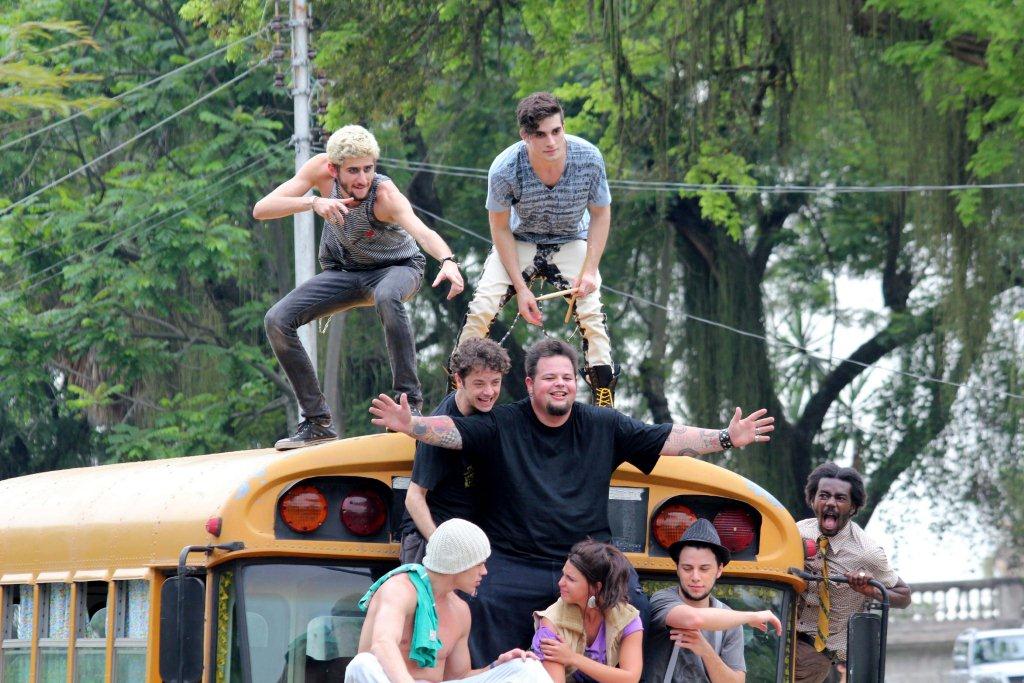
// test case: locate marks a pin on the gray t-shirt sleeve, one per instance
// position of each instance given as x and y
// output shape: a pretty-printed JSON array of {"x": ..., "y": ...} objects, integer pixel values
[
  {"x": 732, "y": 649},
  {"x": 662, "y": 603},
  {"x": 599, "y": 195},
  {"x": 500, "y": 180}
]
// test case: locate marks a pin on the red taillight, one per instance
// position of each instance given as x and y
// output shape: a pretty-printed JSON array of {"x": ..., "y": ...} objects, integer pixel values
[
  {"x": 670, "y": 523},
  {"x": 303, "y": 509},
  {"x": 810, "y": 548},
  {"x": 213, "y": 526},
  {"x": 735, "y": 528},
  {"x": 363, "y": 512}
]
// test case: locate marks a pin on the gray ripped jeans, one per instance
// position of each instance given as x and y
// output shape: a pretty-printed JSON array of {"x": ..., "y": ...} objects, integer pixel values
[{"x": 334, "y": 291}]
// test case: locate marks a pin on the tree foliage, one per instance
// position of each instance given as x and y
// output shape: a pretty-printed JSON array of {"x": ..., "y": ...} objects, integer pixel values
[{"x": 136, "y": 291}]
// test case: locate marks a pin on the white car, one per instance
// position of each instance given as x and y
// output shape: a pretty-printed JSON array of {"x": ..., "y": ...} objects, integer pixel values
[{"x": 995, "y": 656}]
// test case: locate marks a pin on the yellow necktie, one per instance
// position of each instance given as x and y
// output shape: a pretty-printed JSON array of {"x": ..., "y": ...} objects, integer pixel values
[{"x": 826, "y": 604}]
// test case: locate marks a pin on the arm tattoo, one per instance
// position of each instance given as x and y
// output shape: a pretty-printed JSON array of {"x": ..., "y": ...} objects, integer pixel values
[
  {"x": 436, "y": 431},
  {"x": 692, "y": 441}
]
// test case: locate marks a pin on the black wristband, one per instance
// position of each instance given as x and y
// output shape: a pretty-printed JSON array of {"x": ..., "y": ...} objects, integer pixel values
[
  {"x": 450, "y": 258},
  {"x": 723, "y": 439}
]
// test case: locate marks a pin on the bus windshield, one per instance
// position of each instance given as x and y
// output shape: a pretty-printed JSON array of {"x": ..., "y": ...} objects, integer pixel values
[{"x": 301, "y": 621}]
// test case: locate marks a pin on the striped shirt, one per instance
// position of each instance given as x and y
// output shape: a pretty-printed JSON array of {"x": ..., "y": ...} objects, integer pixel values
[
  {"x": 850, "y": 550},
  {"x": 362, "y": 242},
  {"x": 546, "y": 215}
]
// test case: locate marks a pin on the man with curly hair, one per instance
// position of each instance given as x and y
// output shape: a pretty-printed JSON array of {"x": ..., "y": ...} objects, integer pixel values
[
  {"x": 370, "y": 256},
  {"x": 443, "y": 482},
  {"x": 835, "y": 494}
]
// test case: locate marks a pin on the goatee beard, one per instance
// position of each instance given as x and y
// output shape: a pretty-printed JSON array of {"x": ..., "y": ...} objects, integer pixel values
[
  {"x": 695, "y": 598},
  {"x": 557, "y": 411}
]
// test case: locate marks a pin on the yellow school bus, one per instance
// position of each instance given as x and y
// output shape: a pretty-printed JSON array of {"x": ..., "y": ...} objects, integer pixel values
[{"x": 247, "y": 566}]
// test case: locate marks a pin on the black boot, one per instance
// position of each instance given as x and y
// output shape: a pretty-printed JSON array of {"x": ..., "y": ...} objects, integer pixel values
[
  {"x": 602, "y": 380},
  {"x": 310, "y": 432}
]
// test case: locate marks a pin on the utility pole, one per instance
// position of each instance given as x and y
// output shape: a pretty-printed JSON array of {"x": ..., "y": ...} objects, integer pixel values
[{"x": 305, "y": 234}]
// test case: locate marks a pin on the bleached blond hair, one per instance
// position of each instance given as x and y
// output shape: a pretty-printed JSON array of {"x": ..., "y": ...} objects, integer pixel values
[{"x": 351, "y": 141}]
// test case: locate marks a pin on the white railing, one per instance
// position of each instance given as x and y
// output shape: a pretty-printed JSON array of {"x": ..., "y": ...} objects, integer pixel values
[{"x": 994, "y": 600}]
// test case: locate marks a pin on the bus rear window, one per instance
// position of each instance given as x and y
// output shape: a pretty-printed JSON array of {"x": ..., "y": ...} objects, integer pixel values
[
  {"x": 131, "y": 627},
  {"x": 293, "y": 622}
]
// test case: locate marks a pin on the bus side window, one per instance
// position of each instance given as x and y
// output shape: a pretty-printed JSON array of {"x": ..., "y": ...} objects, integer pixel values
[
  {"x": 131, "y": 626},
  {"x": 16, "y": 632},
  {"x": 54, "y": 631},
  {"x": 91, "y": 631}
]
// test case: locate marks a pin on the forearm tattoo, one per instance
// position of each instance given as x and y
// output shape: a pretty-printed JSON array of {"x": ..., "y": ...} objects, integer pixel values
[
  {"x": 437, "y": 431},
  {"x": 692, "y": 441}
]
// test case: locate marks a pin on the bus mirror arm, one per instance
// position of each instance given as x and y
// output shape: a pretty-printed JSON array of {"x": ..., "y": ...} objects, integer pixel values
[
  {"x": 189, "y": 549},
  {"x": 181, "y": 618}
]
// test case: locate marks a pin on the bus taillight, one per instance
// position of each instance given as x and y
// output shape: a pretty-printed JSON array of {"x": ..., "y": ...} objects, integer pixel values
[
  {"x": 363, "y": 512},
  {"x": 671, "y": 522},
  {"x": 303, "y": 509},
  {"x": 735, "y": 528}
]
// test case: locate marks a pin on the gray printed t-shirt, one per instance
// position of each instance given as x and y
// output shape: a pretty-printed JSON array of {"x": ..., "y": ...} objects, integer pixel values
[
  {"x": 689, "y": 667},
  {"x": 546, "y": 215}
]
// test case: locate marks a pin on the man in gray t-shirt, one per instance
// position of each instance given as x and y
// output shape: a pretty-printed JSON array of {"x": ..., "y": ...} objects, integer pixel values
[
  {"x": 549, "y": 209},
  {"x": 673, "y": 654}
]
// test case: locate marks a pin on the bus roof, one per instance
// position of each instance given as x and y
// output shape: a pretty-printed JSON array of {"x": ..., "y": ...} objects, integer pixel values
[{"x": 140, "y": 515}]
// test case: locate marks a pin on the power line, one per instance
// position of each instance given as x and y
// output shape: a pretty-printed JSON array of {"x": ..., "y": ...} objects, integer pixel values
[
  {"x": 252, "y": 161},
  {"x": 835, "y": 360},
  {"x": 126, "y": 93},
  {"x": 668, "y": 186},
  {"x": 8, "y": 209},
  {"x": 46, "y": 245}
]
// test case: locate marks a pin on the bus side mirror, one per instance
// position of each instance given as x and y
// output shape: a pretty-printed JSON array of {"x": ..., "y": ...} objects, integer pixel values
[
  {"x": 182, "y": 607},
  {"x": 863, "y": 647}
]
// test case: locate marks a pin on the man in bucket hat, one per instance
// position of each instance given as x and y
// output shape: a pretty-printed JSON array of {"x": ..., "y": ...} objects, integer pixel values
[
  {"x": 687, "y": 642},
  {"x": 417, "y": 628}
]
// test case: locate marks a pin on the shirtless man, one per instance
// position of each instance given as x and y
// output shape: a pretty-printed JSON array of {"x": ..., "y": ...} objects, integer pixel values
[{"x": 404, "y": 640}]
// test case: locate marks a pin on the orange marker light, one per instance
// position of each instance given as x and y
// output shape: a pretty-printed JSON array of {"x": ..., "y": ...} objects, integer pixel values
[
  {"x": 671, "y": 523},
  {"x": 303, "y": 509}
]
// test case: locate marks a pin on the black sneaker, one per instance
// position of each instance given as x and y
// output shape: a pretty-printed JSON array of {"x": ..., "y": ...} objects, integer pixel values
[{"x": 309, "y": 433}]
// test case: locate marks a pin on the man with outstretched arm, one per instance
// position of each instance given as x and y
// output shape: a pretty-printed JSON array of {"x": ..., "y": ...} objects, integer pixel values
[
  {"x": 370, "y": 256},
  {"x": 416, "y": 627},
  {"x": 680, "y": 647},
  {"x": 543, "y": 466}
]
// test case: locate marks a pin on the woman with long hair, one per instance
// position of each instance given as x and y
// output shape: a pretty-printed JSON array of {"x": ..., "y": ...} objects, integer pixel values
[{"x": 591, "y": 633}]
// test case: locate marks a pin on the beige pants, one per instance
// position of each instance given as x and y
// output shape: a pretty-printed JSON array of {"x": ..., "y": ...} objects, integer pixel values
[{"x": 560, "y": 265}]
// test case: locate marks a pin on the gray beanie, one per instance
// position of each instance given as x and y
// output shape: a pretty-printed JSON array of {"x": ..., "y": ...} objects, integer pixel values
[{"x": 455, "y": 546}]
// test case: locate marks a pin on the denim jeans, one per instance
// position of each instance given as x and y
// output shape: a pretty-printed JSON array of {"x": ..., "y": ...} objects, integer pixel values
[{"x": 333, "y": 291}]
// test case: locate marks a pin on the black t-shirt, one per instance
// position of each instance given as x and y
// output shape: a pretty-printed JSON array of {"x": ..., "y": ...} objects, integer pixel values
[
  {"x": 542, "y": 489},
  {"x": 447, "y": 475}
]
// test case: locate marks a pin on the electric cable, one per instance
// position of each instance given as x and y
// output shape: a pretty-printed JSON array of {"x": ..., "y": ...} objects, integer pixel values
[
  {"x": 125, "y": 232},
  {"x": 126, "y": 93},
  {"x": 46, "y": 245},
  {"x": 8, "y": 209},
  {"x": 669, "y": 186}
]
